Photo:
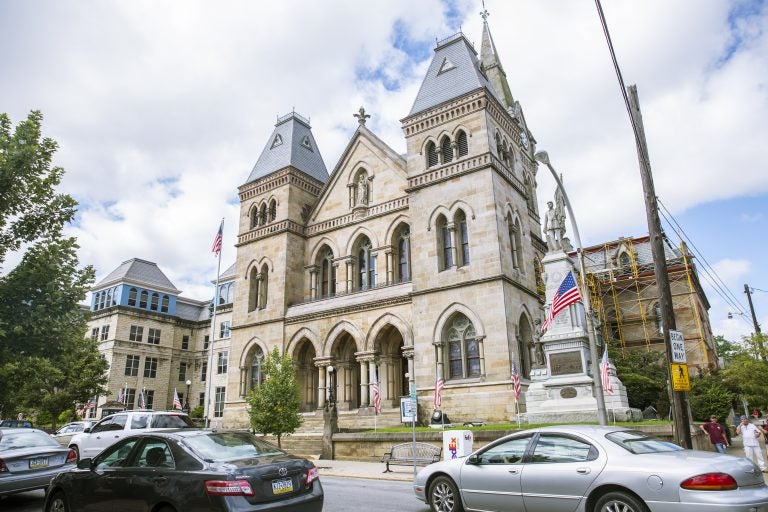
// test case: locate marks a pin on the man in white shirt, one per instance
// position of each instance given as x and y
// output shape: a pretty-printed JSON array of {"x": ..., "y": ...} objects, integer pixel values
[{"x": 751, "y": 437}]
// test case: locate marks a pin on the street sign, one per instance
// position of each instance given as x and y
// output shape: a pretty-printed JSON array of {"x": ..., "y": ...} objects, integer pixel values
[
  {"x": 678, "y": 346},
  {"x": 680, "y": 380},
  {"x": 407, "y": 409}
]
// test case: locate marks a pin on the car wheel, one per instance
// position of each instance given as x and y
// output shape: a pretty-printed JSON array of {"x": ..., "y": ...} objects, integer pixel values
[
  {"x": 167, "y": 509},
  {"x": 618, "y": 501},
  {"x": 57, "y": 503},
  {"x": 444, "y": 496}
]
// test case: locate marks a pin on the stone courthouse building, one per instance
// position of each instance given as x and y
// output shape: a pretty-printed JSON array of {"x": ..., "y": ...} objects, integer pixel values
[{"x": 396, "y": 268}]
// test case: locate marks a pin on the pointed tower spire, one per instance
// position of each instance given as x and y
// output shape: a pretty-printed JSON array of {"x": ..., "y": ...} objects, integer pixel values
[{"x": 489, "y": 58}]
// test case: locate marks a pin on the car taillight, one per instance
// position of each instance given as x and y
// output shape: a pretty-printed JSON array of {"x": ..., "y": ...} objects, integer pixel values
[
  {"x": 710, "y": 482},
  {"x": 3, "y": 467},
  {"x": 72, "y": 456},
  {"x": 312, "y": 475},
  {"x": 228, "y": 488}
]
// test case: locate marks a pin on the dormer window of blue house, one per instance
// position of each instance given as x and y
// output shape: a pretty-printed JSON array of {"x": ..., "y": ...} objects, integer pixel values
[
  {"x": 155, "y": 301},
  {"x": 164, "y": 306},
  {"x": 132, "y": 296},
  {"x": 143, "y": 299}
]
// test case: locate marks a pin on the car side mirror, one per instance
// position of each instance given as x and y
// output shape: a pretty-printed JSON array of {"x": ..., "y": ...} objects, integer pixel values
[
  {"x": 84, "y": 463},
  {"x": 87, "y": 430},
  {"x": 473, "y": 459}
]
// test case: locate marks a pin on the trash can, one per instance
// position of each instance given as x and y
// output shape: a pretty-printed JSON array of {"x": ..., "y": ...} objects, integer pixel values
[{"x": 457, "y": 443}]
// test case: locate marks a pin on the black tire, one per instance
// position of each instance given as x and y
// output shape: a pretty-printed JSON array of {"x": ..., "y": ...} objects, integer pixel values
[
  {"x": 444, "y": 496},
  {"x": 167, "y": 508},
  {"x": 618, "y": 501},
  {"x": 57, "y": 503}
]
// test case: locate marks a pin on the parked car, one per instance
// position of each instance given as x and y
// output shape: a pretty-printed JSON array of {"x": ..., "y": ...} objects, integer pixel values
[
  {"x": 29, "y": 458},
  {"x": 184, "y": 470},
  {"x": 16, "y": 424},
  {"x": 591, "y": 469},
  {"x": 65, "y": 434},
  {"x": 114, "y": 427}
]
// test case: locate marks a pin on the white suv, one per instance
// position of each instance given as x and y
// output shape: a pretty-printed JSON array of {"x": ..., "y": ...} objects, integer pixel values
[{"x": 111, "y": 429}]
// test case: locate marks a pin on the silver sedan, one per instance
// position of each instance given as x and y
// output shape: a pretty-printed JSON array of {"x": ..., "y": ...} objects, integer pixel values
[
  {"x": 29, "y": 458},
  {"x": 591, "y": 469}
]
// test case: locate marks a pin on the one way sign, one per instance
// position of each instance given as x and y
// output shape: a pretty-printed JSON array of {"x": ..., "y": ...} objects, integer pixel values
[{"x": 678, "y": 346}]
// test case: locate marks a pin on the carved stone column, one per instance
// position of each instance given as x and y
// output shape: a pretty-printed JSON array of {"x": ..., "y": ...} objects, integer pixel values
[
  {"x": 350, "y": 274},
  {"x": 451, "y": 228},
  {"x": 390, "y": 267},
  {"x": 313, "y": 283},
  {"x": 243, "y": 381}
]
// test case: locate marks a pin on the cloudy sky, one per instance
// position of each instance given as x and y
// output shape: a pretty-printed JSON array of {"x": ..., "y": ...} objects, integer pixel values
[{"x": 161, "y": 108}]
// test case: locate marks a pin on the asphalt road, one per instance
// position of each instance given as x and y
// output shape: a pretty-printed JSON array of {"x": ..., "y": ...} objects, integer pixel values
[{"x": 341, "y": 495}]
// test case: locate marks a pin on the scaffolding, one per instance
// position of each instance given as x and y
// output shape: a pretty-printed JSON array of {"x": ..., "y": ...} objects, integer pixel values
[{"x": 622, "y": 286}]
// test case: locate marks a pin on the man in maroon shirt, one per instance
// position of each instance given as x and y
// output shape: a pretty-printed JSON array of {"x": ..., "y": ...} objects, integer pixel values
[{"x": 716, "y": 433}]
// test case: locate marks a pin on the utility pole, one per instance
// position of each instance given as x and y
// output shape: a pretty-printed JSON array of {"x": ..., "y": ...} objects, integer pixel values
[
  {"x": 758, "y": 334},
  {"x": 679, "y": 398}
]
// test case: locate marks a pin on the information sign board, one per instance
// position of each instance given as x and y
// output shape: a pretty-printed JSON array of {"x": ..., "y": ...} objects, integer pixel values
[
  {"x": 680, "y": 380},
  {"x": 407, "y": 409}
]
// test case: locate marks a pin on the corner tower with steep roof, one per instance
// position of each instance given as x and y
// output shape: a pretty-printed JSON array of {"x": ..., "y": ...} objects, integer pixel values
[{"x": 471, "y": 183}]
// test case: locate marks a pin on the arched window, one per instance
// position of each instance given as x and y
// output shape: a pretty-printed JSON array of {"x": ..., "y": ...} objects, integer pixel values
[
  {"x": 625, "y": 262},
  {"x": 114, "y": 296},
  {"x": 109, "y": 298},
  {"x": 155, "y": 302},
  {"x": 499, "y": 149},
  {"x": 529, "y": 193},
  {"x": 263, "y": 214},
  {"x": 100, "y": 300},
  {"x": 447, "y": 149},
  {"x": 253, "y": 289},
  {"x": 327, "y": 275},
  {"x": 257, "y": 376},
  {"x": 658, "y": 317},
  {"x": 272, "y": 210},
  {"x": 366, "y": 265},
  {"x": 444, "y": 243},
  {"x": 263, "y": 285},
  {"x": 165, "y": 304},
  {"x": 143, "y": 298},
  {"x": 505, "y": 153},
  {"x": 403, "y": 256},
  {"x": 461, "y": 143},
  {"x": 254, "y": 217},
  {"x": 462, "y": 236},
  {"x": 431, "y": 154},
  {"x": 132, "y": 293},
  {"x": 463, "y": 348}
]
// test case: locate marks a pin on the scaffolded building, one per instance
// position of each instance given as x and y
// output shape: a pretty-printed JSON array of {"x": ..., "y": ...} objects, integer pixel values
[{"x": 624, "y": 293}]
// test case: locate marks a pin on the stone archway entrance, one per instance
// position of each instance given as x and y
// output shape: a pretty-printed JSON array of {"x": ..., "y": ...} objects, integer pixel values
[
  {"x": 391, "y": 365},
  {"x": 307, "y": 375},
  {"x": 346, "y": 374}
]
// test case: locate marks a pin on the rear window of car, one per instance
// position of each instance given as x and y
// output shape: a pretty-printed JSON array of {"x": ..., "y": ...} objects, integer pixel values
[
  {"x": 172, "y": 421},
  {"x": 638, "y": 442},
  {"x": 225, "y": 446},
  {"x": 25, "y": 439},
  {"x": 16, "y": 424}
]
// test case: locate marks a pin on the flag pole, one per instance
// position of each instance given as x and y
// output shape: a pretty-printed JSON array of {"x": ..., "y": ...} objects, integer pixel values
[{"x": 209, "y": 377}]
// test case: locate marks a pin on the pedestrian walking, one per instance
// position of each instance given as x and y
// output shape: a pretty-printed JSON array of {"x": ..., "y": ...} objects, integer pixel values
[
  {"x": 716, "y": 433},
  {"x": 751, "y": 437}
]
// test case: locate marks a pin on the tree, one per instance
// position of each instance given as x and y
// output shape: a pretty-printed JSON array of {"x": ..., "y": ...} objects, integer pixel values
[
  {"x": 726, "y": 349},
  {"x": 643, "y": 374},
  {"x": 45, "y": 361},
  {"x": 745, "y": 375},
  {"x": 708, "y": 396},
  {"x": 274, "y": 405}
]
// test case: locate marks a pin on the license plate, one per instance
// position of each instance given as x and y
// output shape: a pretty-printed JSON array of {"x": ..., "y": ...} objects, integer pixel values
[
  {"x": 40, "y": 462},
  {"x": 282, "y": 486}
]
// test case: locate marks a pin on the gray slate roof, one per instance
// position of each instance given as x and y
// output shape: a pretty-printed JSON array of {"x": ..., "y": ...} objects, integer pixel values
[
  {"x": 194, "y": 311},
  {"x": 291, "y": 144},
  {"x": 139, "y": 272},
  {"x": 596, "y": 258},
  {"x": 460, "y": 74}
]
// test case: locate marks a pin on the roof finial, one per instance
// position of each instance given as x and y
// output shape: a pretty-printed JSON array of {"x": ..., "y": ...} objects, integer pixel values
[
  {"x": 484, "y": 13},
  {"x": 361, "y": 116}
]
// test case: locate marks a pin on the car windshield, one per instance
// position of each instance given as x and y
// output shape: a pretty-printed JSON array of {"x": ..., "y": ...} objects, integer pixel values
[
  {"x": 225, "y": 446},
  {"x": 27, "y": 439},
  {"x": 639, "y": 442},
  {"x": 172, "y": 421}
]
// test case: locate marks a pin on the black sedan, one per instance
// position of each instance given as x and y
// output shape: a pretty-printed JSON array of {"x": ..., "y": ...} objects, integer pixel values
[
  {"x": 188, "y": 471},
  {"x": 29, "y": 458}
]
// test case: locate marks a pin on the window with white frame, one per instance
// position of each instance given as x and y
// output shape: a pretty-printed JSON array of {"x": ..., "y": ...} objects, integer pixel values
[
  {"x": 104, "y": 332},
  {"x": 218, "y": 406},
  {"x": 462, "y": 348},
  {"x": 153, "y": 336},
  {"x": 150, "y": 368},
  {"x": 221, "y": 365},
  {"x": 225, "y": 329},
  {"x": 131, "y": 365},
  {"x": 136, "y": 333}
]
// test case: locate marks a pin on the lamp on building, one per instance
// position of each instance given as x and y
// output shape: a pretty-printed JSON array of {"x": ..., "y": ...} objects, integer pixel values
[
  {"x": 186, "y": 397},
  {"x": 331, "y": 386},
  {"x": 602, "y": 417}
]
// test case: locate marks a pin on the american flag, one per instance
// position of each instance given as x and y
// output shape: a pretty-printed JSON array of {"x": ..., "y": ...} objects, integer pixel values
[
  {"x": 90, "y": 404},
  {"x": 216, "y": 249},
  {"x": 176, "y": 401},
  {"x": 515, "y": 380},
  {"x": 121, "y": 396},
  {"x": 376, "y": 397},
  {"x": 439, "y": 383},
  {"x": 567, "y": 294},
  {"x": 605, "y": 373},
  {"x": 142, "y": 400}
]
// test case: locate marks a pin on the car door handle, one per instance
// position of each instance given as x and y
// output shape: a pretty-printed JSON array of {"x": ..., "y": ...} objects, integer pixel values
[
  {"x": 514, "y": 471},
  {"x": 583, "y": 471},
  {"x": 159, "y": 479}
]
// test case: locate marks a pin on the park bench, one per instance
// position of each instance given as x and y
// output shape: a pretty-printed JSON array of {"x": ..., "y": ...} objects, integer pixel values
[{"x": 409, "y": 454}]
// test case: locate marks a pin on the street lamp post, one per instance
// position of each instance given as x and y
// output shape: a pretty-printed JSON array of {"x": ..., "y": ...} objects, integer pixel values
[
  {"x": 186, "y": 397},
  {"x": 602, "y": 417}
]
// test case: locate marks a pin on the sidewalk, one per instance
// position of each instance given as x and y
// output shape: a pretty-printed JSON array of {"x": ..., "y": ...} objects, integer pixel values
[{"x": 358, "y": 469}]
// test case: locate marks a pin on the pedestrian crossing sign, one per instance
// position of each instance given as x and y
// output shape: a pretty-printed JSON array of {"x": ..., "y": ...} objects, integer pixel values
[{"x": 680, "y": 380}]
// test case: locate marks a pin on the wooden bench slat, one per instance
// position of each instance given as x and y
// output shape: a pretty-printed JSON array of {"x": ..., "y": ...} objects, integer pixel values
[{"x": 403, "y": 454}]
